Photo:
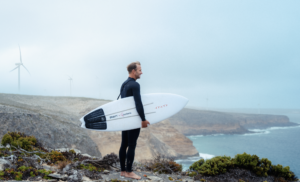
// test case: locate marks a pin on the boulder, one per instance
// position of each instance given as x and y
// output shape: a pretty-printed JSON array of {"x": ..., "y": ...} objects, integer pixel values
[{"x": 3, "y": 162}]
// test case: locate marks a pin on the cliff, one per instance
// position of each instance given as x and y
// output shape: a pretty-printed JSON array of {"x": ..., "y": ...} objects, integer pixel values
[{"x": 200, "y": 122}]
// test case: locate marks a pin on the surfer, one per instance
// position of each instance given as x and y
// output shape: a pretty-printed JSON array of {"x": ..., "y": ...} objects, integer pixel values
[{"x": 129, "y": 138}]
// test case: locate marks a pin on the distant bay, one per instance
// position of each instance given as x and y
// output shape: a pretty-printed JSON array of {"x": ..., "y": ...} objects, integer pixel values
[{"x": 281, "y": 145}]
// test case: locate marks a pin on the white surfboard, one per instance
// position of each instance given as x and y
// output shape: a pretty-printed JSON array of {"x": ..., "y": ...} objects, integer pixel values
[{"x": 121, "y": 115}]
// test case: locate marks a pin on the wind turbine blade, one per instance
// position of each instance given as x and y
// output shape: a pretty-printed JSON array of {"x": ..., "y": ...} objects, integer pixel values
[
  {"x": 20, "y": 54},
  {"x": 14, "y": 68},
  {"x": 26, "y": 69}
]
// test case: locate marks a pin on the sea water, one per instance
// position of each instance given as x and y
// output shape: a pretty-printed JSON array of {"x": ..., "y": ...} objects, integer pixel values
[{"x": 281, "y": 145}]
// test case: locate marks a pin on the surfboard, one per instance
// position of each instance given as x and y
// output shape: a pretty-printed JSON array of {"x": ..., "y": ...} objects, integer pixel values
[{"x": 121, "y": 115}]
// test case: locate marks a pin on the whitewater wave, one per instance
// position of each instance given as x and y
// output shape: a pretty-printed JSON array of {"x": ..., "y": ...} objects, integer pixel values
[
  {"x": 195, "y": 158},
  {"x": 268, "y": 130},
  {"x": 217, "y": 134},
  {"x": 206, "y": 156},
  {"x": 195, "y": 136},
  {"x": 199, "y": 136}
]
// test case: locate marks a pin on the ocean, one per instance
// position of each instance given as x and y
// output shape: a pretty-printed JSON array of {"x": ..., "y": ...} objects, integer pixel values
[{"x": 281, "y": 145}]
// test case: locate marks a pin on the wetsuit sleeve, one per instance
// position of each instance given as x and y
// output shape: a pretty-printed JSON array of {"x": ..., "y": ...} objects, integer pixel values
[{"x": 138, "y": 101}]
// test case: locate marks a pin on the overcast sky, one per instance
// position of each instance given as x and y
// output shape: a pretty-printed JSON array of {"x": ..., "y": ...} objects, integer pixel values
[{"x": 235, "y": 54}]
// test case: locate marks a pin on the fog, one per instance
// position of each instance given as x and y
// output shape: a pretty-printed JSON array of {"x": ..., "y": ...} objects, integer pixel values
[{"x": 218, "y": 54}]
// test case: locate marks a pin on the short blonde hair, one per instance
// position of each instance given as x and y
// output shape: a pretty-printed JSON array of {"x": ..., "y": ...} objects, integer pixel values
[{"x": 132, "y": 66}]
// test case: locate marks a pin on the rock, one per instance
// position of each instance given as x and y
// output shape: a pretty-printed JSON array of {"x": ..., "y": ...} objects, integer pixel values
[
  {"x": 84, "y": 178},
  {"x": 3, "y": 162},
  {"x": 58, "y": 176},
  {"x": 86, "y": 155},
  {"x": 106, "y": 171},
  {"x": 47, "y": 167},
  {"x": 184, "y": 173},
  {"x": 68, "y": 149},
  {"x": 51, "y": 180},
  {"x": 53, "y": 121},
  {"x": 154, "y": 178},
  {"x": 188, "y": 180},
  {"x": 75, "y": 176},
  {"x": 65, "y": 169}
]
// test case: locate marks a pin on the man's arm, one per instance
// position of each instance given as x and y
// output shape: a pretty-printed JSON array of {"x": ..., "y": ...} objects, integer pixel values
[{"x": 138, "y": 101}]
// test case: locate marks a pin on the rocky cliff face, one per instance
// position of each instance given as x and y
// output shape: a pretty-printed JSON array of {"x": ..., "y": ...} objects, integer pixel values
[
  {"x": 260, "y": 121},
  {"x": 49, "y": 131},
  {"x": 197, "y": 122},
  {"x": 160, "y": 138}
]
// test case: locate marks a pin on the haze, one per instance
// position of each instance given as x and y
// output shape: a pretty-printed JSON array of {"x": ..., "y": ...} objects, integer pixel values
[{"x": 218, "y": 54}]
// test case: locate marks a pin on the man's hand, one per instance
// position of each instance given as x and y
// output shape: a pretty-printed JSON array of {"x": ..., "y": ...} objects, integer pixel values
[{"x": 145, "y": 124}]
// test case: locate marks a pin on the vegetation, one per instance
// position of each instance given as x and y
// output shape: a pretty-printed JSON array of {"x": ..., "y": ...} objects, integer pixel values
[
  {"x": 90, "y": 167},
  {"x": 18, "y": 139},
  {"x": 253, "y": 163},
  {"x": 23, "y": 172},
  {"x": 163, "y": 164},
  {"x": 261, "y": 167},
  {"x": 30, "y": 154}
]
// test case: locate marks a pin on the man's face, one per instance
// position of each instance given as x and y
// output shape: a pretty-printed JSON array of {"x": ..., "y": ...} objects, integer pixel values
[{"x": 138, "y": 71}]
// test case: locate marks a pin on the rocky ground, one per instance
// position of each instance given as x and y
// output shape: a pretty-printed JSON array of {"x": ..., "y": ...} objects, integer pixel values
[{"x": 73, "y": 173}]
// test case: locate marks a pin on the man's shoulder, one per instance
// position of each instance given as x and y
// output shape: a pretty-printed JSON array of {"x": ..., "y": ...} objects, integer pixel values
[{"x": 135, "y": 84}]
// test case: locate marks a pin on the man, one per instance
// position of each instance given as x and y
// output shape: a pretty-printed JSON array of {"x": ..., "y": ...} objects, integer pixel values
[{"x": 129, "y": 138}]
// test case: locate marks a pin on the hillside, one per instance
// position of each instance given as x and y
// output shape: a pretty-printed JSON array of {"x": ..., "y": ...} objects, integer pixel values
[
  {"x": 55, "y": 120},
  {"x": 202, "y": 122}
]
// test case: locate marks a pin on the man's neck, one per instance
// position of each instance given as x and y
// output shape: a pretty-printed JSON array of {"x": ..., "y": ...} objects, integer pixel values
[{"x": 131, "y": 76}]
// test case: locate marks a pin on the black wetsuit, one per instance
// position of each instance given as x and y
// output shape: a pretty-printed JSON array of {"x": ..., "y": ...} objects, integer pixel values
[{"x": 129, "y": 138}]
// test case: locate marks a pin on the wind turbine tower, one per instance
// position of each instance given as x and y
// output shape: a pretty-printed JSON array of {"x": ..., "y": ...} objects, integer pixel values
[
  {"x": 71, "y": 80},
  {"x": 18, "y": 66},
  {"x": 206, "y": 103}
]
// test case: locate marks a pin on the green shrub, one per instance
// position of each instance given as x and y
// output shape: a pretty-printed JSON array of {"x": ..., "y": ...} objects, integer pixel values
[
  {"x": 253, "y": 163},
  {"x": 46, "y": 173},
  {"x": 23, "y": 168},
  {"x": 18, "y": 139},
  {"x": 192, "y": 174},
  {"x": 56, "y": 156},
  {"x": 261, "y": 167},
  {"x": 1, "y": 174},
  {"x": 19, "y": 176},
  {"x": 90, "y": 167},
  {"x": 7, "y": 139},
  {"x": 32, "y": 174},
  {"x": 72, "y": 151},
  {"x": 196, "y": 165},
  {"x": 279, "y": 171},
  {"x": 215, "y": 166}
]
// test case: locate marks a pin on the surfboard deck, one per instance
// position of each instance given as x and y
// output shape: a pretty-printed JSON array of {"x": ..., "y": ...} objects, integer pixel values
[{"x": 121, "y": 115}]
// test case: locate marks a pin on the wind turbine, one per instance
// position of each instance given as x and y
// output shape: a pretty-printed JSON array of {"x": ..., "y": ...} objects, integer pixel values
[
  {"x": 206, "y": 103},
  {"x": 18, "y": 67},
  {"x": 71, "y": 80}
]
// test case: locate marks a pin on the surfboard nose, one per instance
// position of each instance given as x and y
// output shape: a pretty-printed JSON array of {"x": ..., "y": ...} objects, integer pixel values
[{"x": 183, "y": 100}]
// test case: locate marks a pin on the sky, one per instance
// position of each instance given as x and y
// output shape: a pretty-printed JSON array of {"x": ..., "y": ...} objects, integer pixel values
[{"x": 216, "y": 53}]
